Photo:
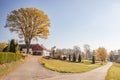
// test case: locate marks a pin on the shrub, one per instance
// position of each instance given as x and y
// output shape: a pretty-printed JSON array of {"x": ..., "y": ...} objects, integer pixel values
[
  {"x": 64, "y": 58},
  {"x": 2, "y": 46},
  {"x": 7, "y": 57}
]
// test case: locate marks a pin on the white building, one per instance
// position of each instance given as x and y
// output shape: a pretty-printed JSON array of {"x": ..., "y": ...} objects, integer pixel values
[{"x": 35, "y": 49}]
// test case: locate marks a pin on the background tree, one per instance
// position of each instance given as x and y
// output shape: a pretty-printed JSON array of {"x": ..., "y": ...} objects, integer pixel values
[
  {"x": 70, "y": 51},
  {"x": 87, "y": 51},
  {"x": 53, "y": 51},
  {"x": 29, "y": 23},
  {"x": 83, "y": 55},
  {"x": 2, "y": 46},
  {"x": 76, "y": 50},
  {"x": 101, "y": 54},
  {"x": 111, "y": 55}
]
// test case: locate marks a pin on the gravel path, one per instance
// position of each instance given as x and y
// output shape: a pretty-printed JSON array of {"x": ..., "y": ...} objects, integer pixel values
[{"x": 32, "y": 70}]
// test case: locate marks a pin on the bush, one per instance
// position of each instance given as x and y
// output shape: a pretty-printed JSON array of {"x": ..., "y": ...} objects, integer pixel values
[
  {"x": 2, "y": 46},
  {"x": 64, "y": 58},
  {"x": 7, "y": 57}
]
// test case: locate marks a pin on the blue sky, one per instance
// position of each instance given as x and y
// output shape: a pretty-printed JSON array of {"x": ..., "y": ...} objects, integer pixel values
[{"x": 73, "y": 22}]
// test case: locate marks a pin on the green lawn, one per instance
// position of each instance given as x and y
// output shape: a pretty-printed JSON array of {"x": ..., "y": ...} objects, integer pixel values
[
  {"x": 114, "y": 72},
  {"x": 8, "y": 67},
  {"x": 68, "y": 67}
]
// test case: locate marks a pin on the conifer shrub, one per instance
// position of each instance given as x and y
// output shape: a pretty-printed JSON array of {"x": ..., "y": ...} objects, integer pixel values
[
  {"x": 93, "y": 59},
  {"x": 74, "y": 58},
  {"x": 79, "y": 58},
  {"x": 69, "y": 57}
]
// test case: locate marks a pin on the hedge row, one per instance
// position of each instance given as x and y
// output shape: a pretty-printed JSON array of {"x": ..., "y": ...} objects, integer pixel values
[{"x": 7, "y": 57}]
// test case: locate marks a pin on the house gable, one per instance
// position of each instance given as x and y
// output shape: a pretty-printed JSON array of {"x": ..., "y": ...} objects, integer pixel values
[{"x": 35, "y": 49}]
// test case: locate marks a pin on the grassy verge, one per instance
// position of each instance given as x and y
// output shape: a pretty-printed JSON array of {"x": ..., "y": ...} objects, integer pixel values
[
  {"x": 114, "y": 72},
  {"x": 68, "y": 67},
  {"x": 8, "y": 67}
]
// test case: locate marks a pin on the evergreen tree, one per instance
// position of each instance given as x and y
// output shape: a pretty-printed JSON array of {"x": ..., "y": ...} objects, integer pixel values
[
  {"x": 74, "y": 57},
  {"x": 93, "y": 59},
  {"x": 69, "y": 57},
  {"x": 79, "y": 58},
  {"x": 13, "y": 46}
]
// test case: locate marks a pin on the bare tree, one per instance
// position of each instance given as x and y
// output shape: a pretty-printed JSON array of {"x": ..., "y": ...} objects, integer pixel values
[
  {"x": 87, "y": 51},
  {"x": 77, "y": 50},
  {"x": 53, "y": 51}
]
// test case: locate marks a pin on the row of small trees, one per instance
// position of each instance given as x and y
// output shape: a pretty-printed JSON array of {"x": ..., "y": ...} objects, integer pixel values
[
  {"x": 100, "y": 54},
  {"x": 87, "y": 54},
  {"x": 74, "y": 58},
  {"x": 71, "y": 58}
]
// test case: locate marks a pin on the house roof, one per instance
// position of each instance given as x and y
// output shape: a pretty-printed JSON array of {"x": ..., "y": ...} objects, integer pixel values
[
  {"x": 34, "y": 47},
  {"x": 37, "y": 47}
]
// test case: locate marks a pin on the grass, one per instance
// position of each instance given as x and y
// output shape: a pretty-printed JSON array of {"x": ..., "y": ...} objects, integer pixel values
[
  {"x": 114, "y": 72},
  {"x": 68, "y": 67},
  {"x": 8, "y": 67}
]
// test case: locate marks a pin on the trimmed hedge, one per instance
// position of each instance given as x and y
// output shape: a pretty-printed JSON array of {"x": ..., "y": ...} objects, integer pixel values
[{"x": 7, "y": 57}]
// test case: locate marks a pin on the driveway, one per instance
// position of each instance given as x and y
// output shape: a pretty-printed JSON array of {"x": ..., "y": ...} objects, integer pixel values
[{"x": 32, "y": 70}]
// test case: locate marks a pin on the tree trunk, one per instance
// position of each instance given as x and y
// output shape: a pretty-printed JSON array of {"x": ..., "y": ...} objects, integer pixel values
[
  {"x": 28, "y": 47},
  {"x": 101, "y": 62}
]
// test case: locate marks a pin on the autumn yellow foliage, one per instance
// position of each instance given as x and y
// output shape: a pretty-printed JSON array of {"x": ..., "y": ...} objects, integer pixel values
[
  {"x": 2, "y": 46},
  {"x": 29, "y": 23},
  {"x": 101, "y": 54}
]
